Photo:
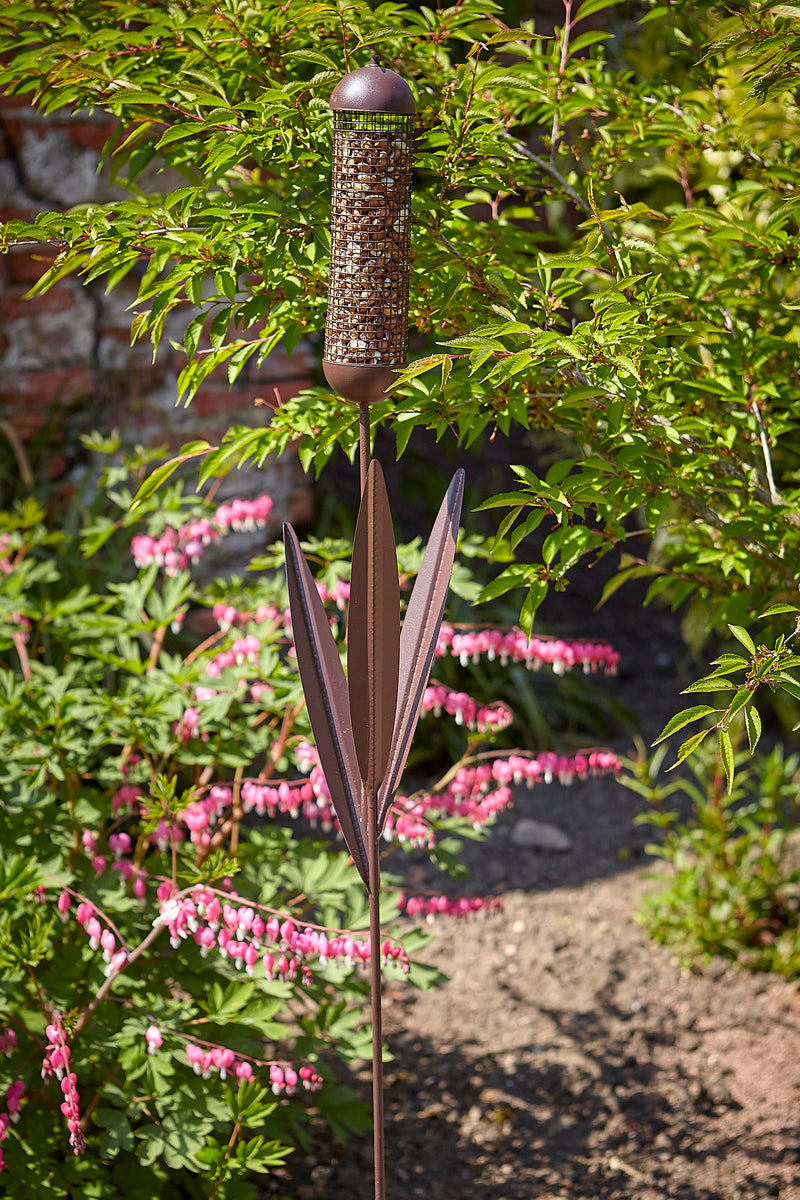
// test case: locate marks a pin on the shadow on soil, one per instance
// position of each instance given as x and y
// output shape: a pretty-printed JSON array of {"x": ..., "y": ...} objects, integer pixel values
[{"x": 598, "y": 1124}]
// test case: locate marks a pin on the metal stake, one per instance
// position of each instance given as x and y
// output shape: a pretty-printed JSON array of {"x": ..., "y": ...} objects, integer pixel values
[{"x": 376, "y": 1001}]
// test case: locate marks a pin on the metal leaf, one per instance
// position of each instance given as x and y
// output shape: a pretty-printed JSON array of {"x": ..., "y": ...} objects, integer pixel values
[
  {"x": 420, "y": 634},
  {"x": 373, "y": 632},
  {"x": 325, "y": 690}
]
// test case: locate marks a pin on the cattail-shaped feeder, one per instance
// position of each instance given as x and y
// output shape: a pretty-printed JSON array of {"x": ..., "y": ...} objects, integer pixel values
[
  {"x": 366, "y": 335},
  {"x": 363, "y": 722}
]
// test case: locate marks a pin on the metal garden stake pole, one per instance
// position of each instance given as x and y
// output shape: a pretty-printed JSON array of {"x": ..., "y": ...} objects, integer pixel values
[{"x": 363, "y": 724}]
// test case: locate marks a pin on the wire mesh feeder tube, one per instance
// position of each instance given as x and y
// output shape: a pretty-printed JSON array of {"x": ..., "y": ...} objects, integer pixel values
[{"x": 366, "y": 333}]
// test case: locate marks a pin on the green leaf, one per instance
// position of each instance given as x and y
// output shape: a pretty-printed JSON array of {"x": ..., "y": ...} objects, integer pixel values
[
  {"x": 726, "y": 756},
  {"x": 711, "y": 683},
  {"x": 730, "y": 662},
  {"x": 689, "y": 746},
  {"x": 685, "y": 717},
  {"x": 161, "y": 474},
  {"x": 744, "y": 637},
  {"x": 536, "y": 594},
  {"x": 117, "y": 1134},
  {"x": 743, "y": 696},
  {"x": 790, "y": 685},
  {"x": 191, "y": 337},
  {"x": 775, "y": 610},
  {"x": 752, "y": 721},
  {"x": 592, "y": 38},
  {"x": 516, "y": 576},
  {"x": 589, "y": 7},
  {"x": 218, "y": 328}
]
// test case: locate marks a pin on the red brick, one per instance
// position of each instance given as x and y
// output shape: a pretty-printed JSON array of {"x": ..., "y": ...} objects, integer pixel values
[
  {"x": 287, "y": 389},
  {"x": 242, "y": 398},
  {"x": 8, "y": 102},
  {"x": 122, "y": 335},
  {"x": 210, "y": 401},
  {"x": 280, "y": 365},
  {"x": 89, "y": 135},
  {"x": 63, "y": 496},
  {"x": 13, "y": 129},
  {"x": 14, "y": 306},
  {"x": 56, "y": 465},
  {"x": 25, "y": 424},
  {"x": 27, "y": 266},
  {"x": 20, "y": 212},
  {"x": 42, "y": 389}
]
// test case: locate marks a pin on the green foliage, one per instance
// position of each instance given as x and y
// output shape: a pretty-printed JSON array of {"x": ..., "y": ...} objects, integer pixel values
[
  {"x": 734, "y": 888},
  {"x": 734, "y": 885},
  {"x": 154, "y": 763},
  {"x": 99, "y": 742},
  {"x": 628, "y": 286},
  {"x": 93, "y": 689},
  {"x": 763, "y": 667}
]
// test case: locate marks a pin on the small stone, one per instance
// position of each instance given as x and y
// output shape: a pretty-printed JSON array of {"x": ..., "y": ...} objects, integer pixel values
[
  {"x": 718, "y": 1092},
  {"x": 540, "y": 836}
]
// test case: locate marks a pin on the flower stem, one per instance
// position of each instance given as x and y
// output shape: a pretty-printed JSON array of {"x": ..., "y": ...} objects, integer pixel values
[{"x": 103, "y": 990}]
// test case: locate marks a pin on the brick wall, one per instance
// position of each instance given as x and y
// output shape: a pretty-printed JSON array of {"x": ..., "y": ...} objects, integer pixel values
[{"x": 66, "y": 362}]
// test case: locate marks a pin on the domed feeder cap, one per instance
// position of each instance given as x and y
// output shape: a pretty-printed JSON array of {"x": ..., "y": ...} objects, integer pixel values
[{"x": 373, "y": 89}]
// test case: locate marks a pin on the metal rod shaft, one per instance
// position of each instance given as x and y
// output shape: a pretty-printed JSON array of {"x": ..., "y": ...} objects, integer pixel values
[
  {"x": 375, "y": 996},
  {"x": 374, "y": 864},
  {"x": 363, "y": 442}
]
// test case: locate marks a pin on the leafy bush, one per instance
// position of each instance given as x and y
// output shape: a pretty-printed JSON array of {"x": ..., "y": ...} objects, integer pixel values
[
  {"x": 734, "y": 886},
  {"x": 127, "y": 779},
  {"x": 174, "y": 947},
  {"x": 735, "y": 883}
]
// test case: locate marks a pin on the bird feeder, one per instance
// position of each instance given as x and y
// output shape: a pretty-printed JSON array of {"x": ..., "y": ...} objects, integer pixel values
[
  {"x": 366, "y": 334},
  {"x": 363, "y": 723}
]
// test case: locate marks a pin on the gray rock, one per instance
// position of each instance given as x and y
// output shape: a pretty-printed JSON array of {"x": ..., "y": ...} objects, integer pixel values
[{"x": 541, "y": 836}]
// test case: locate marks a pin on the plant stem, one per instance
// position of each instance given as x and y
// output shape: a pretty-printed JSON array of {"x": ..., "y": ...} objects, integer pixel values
[
  {"x": 577, "y": 199},
  {"x": 18, "y": 448},
  {"x": 775, "y": 495},
  {"x": 31, "y": 974},
  {"x": 103, "y": 990},
  {"x": 228, "y": 1149},
  {"x": 236, "y": 810},
  {"x": 266, "y": 773},
  {"x": 566, "y": 32},
  {"x": 155, "y": 649}
]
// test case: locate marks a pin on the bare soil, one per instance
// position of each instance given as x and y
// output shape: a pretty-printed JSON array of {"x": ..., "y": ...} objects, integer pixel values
[{"x": 569, "y": 1057}]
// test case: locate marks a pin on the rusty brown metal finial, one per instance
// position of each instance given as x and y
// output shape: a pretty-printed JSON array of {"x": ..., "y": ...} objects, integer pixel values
[{"x": 363, "y": 723}]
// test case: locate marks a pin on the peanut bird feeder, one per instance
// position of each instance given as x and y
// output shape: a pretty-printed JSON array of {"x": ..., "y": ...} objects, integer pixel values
[{"x": 363, "y": 722}]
